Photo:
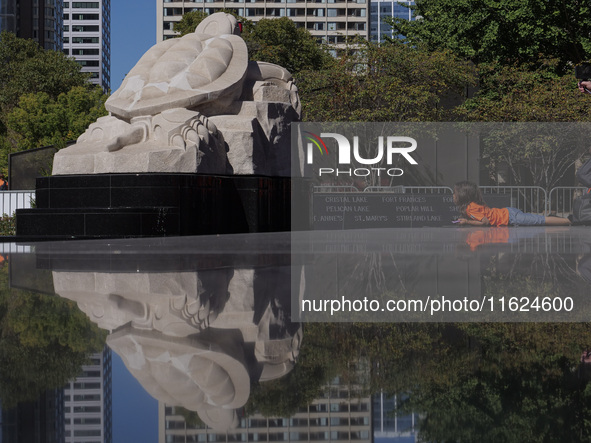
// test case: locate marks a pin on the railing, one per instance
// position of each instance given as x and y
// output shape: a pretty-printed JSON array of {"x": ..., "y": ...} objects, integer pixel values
[
  {"x": 335, "y": 188},
  {"x": 410, "y": 189},
  {"x": 388, "y": 189},
  {"x": 527, "y": 198},
  {"x": 533, "y": 199},
  {"x": 12, "y": 248},
  {"x": 560, "y": 199},
  {"x": 10, "y": 201}
]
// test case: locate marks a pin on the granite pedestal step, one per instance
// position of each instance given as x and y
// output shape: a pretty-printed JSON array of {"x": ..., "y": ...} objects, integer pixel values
[
  {"x": 98, "y": 222},
  {"x": 143, "y": 205}
]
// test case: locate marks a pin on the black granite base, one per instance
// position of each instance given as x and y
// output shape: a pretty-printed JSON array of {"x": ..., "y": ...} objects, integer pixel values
[{"x": 144, "y": 205}]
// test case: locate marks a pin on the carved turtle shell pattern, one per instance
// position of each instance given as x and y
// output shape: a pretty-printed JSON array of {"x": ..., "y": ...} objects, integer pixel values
[{"x": 183, "y": 73}]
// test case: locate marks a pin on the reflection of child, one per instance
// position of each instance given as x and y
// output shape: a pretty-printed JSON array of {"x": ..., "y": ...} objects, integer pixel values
[
  {"x": 477, "y": 237},
  {"x": 468, "y": 198}
]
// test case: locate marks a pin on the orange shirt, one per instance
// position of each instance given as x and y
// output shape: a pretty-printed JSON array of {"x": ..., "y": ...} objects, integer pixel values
[{"x": 495, "y": 216}]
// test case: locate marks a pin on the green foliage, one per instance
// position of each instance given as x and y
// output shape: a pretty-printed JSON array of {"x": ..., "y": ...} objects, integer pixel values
[
  {"x": 44, "y": 340},
  {"x": 389, "y": 82},
  {"x": 315, "y": 367},
  {"x": 505, "y": 31},
  {"x": 279, "y": 41},
  {"x": 7, "y": 225},
  {"x": 525, "y": 94},
  {"x": 44, "y": 98},
  {"x": 27, "y": 68},
  {"x": 521, "y": 385},
  {"x": 189, "y": 21},
  {"x": 473, "y": 382},
  {"x": 276, "y": 41},
  {"x": 39, "y": 120}
]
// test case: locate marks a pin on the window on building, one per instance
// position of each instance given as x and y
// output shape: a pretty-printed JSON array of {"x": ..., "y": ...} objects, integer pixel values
[
  {"x": 85, "y": 40},
  {"x": 87, "y": 421},
  {"x": 356, "y": 27},
  {"x": 87, "y": 385},
  {"x": 80, "y": 409},
  {"x": 85, "y": 16},
  {"x": 85, "y": 28},
  {"x": 173, "y": 11},
  {"x": 91, "y": 51},
  {"x": 87, "y": 397},
  {"x": 87, "y": 433},
  {"x": 82, "y": 5}
]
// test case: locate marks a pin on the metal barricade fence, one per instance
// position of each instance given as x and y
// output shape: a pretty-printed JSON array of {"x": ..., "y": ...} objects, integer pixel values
[
  {"x": 410, "y": 189},
  {"x": 387, "y": 189},
  {"x": 334, "y": 188},
  {"x": 532, "y": 199},
  {"x": 526, "y": 198},
  {"x": 10, "y": 201},
  {"x": 560, "y": 199}
]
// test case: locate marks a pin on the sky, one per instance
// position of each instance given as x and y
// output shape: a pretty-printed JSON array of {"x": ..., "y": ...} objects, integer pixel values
[
  {"x": 133, "y": 32},
  {"x": 135, "y": 412}
]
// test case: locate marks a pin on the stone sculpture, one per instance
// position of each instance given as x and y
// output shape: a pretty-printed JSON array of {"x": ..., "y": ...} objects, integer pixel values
[{"x": 193, "y": 105}]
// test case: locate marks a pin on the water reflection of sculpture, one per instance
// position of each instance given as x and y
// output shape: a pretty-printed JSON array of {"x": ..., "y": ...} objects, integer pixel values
[{"x": 193, "y": 339}]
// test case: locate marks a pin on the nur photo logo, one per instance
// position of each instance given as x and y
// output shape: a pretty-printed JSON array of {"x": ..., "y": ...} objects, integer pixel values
[{"x": 379, "y": 158}]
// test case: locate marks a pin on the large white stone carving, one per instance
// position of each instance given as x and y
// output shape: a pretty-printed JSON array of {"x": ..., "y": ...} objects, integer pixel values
[{"x": 193, "y": 104}]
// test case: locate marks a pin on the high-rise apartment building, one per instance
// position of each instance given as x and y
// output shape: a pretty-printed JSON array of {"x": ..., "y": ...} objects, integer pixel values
[
  {"x": 380, "y": 9},
  {"x": 87, "y": 38},
  {"x": 34, "y": 19},
  {"x": 391, "y": 425},
  {"x": 331, "y": 21},
  {"x": 40, "y": 421},
  {"x": 8, "y": 15},
  {"x": 342, "y": 415},
  {"x": 87, "y": 402}
]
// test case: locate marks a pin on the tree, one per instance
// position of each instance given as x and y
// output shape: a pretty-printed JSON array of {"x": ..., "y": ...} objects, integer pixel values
[
  {"x": 189, "y": 22},
  {"x": 277, "y": 41},
  {"x": 380, "y": 83},
  {"x": 39, "y": 76},
  {"x": 474, "y": 382},
  {"x": 280, "y": 41},
  {"x": 38, "y": 120},
  {"x": 523, "y": 94},
  {"x": 27, "y": 68},
  {"x": 505, "y": 31},
  {"x": 44, "y": 341}
]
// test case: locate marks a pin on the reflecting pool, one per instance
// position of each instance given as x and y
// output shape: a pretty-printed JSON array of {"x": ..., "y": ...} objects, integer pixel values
[{"x": 223, "y": 334}]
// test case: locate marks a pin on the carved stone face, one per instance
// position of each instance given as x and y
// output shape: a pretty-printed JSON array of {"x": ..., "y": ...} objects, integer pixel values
[{"x": 206, "y": 65}]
